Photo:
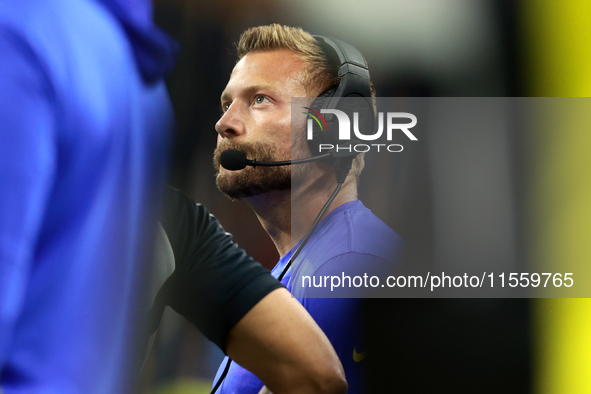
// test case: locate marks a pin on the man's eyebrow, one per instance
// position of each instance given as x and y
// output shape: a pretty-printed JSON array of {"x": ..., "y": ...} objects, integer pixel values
[{"x": 246, "y": 90}]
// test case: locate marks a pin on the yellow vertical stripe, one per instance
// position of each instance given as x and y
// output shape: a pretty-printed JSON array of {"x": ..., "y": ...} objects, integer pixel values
[
  {"x": 556, "y": 42},
  {"x": 557, "y": 49}
]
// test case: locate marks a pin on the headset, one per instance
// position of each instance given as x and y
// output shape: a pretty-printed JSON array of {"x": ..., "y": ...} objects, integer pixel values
[{"x": 354, "y": 84}]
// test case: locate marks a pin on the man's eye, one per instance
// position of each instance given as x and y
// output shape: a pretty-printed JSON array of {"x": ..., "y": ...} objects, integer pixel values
[{"x": 260, "y": 99}]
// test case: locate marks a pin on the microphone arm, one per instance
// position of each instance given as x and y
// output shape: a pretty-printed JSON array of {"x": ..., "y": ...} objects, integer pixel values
[
  {"x": 255, "y": 162},
  {"x": 233, "y": 160}
]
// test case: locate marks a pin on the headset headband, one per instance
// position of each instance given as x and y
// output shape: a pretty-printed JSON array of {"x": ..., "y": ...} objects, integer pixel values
[
  {"x": 351, "y": 65},
  {"x": 354, "y": 82}
]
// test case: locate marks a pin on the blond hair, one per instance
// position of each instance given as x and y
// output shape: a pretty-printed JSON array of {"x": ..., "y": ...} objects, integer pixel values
[{"x": 318, "y": 77}]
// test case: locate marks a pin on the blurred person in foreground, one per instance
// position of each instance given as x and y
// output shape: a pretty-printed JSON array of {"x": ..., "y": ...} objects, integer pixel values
[
  {"x": 84, "y": 118},
  {"x": 275, "y": 64},
  {"x": 84, "y": 123}
]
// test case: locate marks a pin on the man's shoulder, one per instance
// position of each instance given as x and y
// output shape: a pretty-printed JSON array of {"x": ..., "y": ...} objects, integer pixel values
[
  {"x": 355, "y": 230},
  {"x": 370, "y": 235},
  {"x": 352, "y": 242}
]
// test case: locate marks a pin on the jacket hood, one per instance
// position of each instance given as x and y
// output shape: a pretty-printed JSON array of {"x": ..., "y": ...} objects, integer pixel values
[{"x": 154, "y": 50}]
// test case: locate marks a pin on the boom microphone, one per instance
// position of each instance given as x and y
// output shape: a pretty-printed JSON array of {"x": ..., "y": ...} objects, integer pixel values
[{"x": 234, "y": 160}]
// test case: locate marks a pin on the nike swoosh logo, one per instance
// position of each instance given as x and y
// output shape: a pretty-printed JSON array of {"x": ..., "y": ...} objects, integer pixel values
[{"x": 357, "y": 357}]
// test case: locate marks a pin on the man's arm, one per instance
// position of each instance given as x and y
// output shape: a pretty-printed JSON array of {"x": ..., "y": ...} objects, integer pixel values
[
  {"x": 238, "y": 305},
  {"x": 278, "y": 341}
]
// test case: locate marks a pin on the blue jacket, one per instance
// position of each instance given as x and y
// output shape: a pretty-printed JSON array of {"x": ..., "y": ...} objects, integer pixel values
[{"x": 84, "y": 118}]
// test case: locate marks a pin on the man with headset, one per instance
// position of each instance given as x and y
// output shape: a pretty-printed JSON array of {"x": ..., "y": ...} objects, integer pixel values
[{"x": 278, "y": 63}]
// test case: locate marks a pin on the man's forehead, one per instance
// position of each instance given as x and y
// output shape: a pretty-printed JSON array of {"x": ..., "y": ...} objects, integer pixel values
[
  {"x": 254, "y": 87},
  {"x": 265, "y": 69}
]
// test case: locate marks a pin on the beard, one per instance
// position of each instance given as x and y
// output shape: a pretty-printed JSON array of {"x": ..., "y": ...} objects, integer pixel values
[{"x": 251, "y": 181}]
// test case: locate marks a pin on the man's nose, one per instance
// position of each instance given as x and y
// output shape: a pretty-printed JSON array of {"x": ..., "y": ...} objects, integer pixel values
[{"x": 231, "y": 123}]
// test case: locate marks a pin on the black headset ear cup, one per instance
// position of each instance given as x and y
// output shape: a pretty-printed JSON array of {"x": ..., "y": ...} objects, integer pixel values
[
  {"x": 328, "y": 92},
  {"x": 320, "y": 136},
  {"x": 354, "y": 82}
]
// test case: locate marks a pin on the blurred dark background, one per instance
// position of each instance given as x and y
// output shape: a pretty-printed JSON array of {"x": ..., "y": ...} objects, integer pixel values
[{"x": 484, "y": 199}]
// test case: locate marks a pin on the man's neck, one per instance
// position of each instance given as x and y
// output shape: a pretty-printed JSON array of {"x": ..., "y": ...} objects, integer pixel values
[{"x": 287, "y": 216}]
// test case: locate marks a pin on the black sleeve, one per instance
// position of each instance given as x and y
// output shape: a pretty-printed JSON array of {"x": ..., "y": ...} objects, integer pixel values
[{"x": 215, "y": 283}]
